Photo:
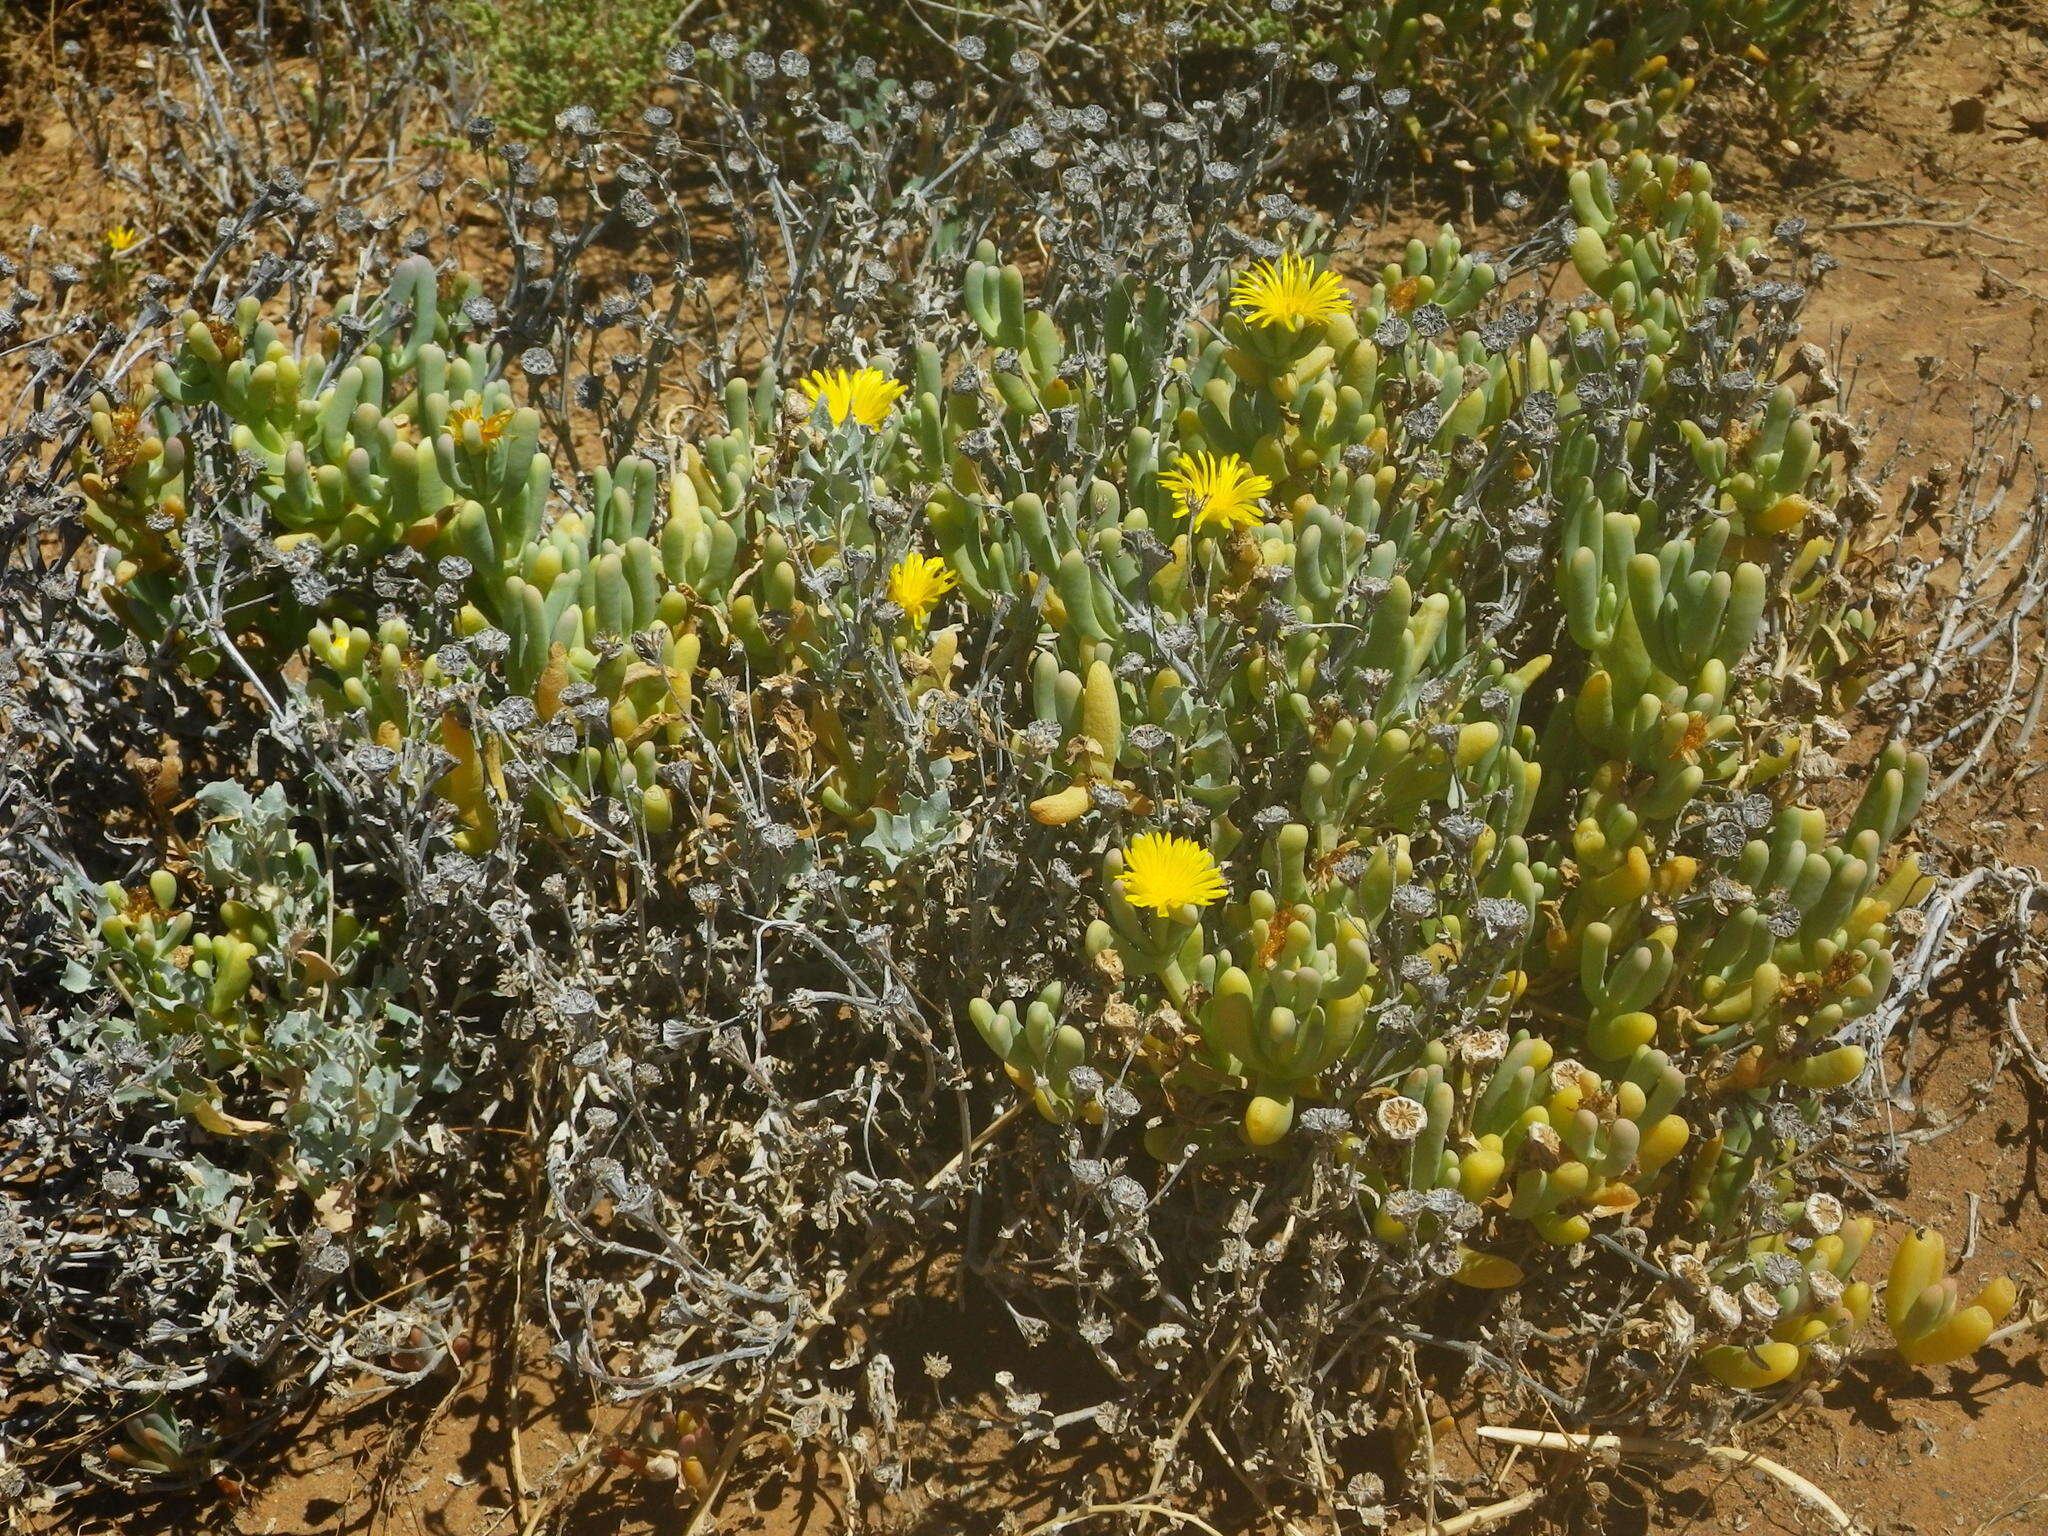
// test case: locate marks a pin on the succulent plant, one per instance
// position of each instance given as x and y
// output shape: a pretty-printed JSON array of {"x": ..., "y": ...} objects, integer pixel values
[
  {"x": 1925, "y": 1310},
  {"x": 249, "y": 1001},
  {"x": 1390, "y": 658}
]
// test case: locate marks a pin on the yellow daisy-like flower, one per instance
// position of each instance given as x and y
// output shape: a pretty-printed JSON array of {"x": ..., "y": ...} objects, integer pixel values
[
  {"x": 1219, "y": 490},
  {"x": 1163, "y": 872},
  {"x": 1288, "y": 292},
  {"x": 491, "y": 427},
  {"x": 917, "y": 582},
  {"x": 864, "y": 395},
  {"x": 122, "y": 237}
]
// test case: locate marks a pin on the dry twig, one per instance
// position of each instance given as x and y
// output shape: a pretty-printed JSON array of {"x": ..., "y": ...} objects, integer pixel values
[{"x": 1649, "y": 1445}]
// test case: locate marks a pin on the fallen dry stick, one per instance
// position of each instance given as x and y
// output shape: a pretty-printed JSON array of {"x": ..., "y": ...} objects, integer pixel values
[
  {"x": 1134, "y": 1507},
  {"x": 1480, "y": 1518},
  {"x": 1645, "y": 1445}
]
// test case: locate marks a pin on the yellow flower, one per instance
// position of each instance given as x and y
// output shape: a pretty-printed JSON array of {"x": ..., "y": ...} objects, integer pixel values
[
  {"x": 122, "y": 237},
  {"x": 867, "y": 395},
  {"x": 491, "y": 427},
  {"x": 917, "y": 582},
  {"x": 1223, "y": 491},
  {"x": 1289, "y": 291},
  {"x": 1163, "y": 872}
]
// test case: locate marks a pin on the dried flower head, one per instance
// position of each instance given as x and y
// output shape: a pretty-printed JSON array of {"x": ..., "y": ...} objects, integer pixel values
[
  {"x": 1483, "y": 1047},
  {"x": 1759, "y": 1303},
  {"x": 1821, "y": 1214},
  {"x": 1400, "y": 1118},
  {"x": 1689, "y": 1272},
  {"x": 1723, "y": 1310}
]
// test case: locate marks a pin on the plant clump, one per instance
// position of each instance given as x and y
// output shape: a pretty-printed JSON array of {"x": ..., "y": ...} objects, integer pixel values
[
  {"x": 891, "y": 688},
  {"x": 1358, "y": 700}
]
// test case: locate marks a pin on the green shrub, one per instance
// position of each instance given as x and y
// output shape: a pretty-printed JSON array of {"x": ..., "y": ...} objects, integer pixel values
[
  {"x": 1511, "y": 90},
  {"x": 541, "y": 58},
  {"x": 1554, "y": 82}
]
